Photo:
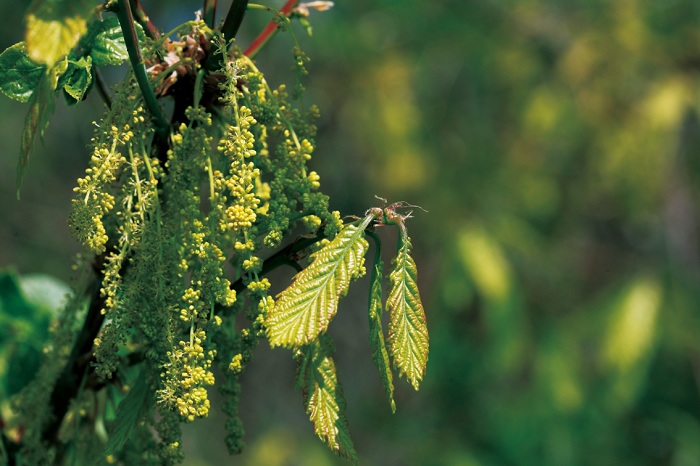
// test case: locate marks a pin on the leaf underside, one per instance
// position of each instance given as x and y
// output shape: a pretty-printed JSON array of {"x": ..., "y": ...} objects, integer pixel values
[
  {"x": 306, "y": 307},
  {"x": 380, "y": 356},
  {"x": 323, "y": 397},
  {"x": 408, "y": 332}
]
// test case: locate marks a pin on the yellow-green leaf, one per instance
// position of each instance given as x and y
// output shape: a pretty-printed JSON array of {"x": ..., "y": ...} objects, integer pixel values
[
  {"x": 306, "y": 307},
  {"x": 408, "y": 332},
  {"x": 380, "y": 356},
  {"x": 54, "y": 27},
  {"x": 323, "y": 397}
]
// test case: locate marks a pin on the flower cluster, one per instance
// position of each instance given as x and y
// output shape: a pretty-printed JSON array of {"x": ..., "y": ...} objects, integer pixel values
[
  {"x": 94, "y": 194},
  {"x": 185, "y": 376}
]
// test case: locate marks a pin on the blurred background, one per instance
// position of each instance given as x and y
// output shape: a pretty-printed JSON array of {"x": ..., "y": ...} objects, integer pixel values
[{"x": 556, "y": 148}]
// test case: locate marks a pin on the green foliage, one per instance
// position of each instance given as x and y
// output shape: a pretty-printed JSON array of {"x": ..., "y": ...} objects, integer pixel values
[
  {"x": 20, "y": 75},
  {"x": 105, "y": 43}
]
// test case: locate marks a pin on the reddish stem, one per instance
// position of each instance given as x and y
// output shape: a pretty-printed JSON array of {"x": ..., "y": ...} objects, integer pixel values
[{"x": 286, "y": 10}]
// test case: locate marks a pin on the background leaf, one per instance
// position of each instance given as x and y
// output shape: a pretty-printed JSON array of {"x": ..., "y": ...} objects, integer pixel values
[
  {"x": 408, "y": 332},
  {"x": 54, "y": 27},
  {"x": 306, "y": 307},
  {"x": 19, "y": 75},
  {"x": 24, "y": 324}
]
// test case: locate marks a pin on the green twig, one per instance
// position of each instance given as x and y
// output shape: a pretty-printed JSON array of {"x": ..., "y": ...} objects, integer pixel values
[{"x": 126, "y": 20}]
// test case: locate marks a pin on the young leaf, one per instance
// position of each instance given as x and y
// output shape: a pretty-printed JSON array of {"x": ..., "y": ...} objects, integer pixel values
[
  {"x": 54, "y": 27},
  {"x": 19, "y": 75},
  {"x": 408, "y": 332},
  {"x": 376, "y": 334},
  {"x": 129, "y": 412},
  {"x": 323, "y": 397},
  {"x": 78, "y": 78},
  {"x": 306, "y": 307}
]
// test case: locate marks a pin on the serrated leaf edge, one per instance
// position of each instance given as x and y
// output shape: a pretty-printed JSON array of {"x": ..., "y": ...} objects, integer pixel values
[
  {"x": 304, "y": 310},
  {"x": 408, "y": 331}
]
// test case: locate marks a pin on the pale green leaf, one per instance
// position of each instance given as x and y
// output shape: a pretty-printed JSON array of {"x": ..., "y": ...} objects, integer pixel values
[
  {"x": 408, "y": 332},
  {"x": 54, "y": 27},
  {"x": 380, "y": 356},
  {"x": 323, "y": 397},
  {"x": 19, "y": 75},
  {"x": 306, "y": 307},
  {"x": 129, "y": 413}
]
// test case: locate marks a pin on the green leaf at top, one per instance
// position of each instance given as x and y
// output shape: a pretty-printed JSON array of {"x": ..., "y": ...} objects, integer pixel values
[
  {"x": 19, "y": 75},
  {"x": 408, "y": 332},
  {"x": 323, "y": 397},
  {"x": 306, "y": 307},
  {"x": 380, "y": 356},
  {"x": 54, "y": 27}
]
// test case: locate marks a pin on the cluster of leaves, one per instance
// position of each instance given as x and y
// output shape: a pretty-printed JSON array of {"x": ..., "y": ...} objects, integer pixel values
[
  {"x": 303, "y": 311},
  {"x": 181, "y": 223}
]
